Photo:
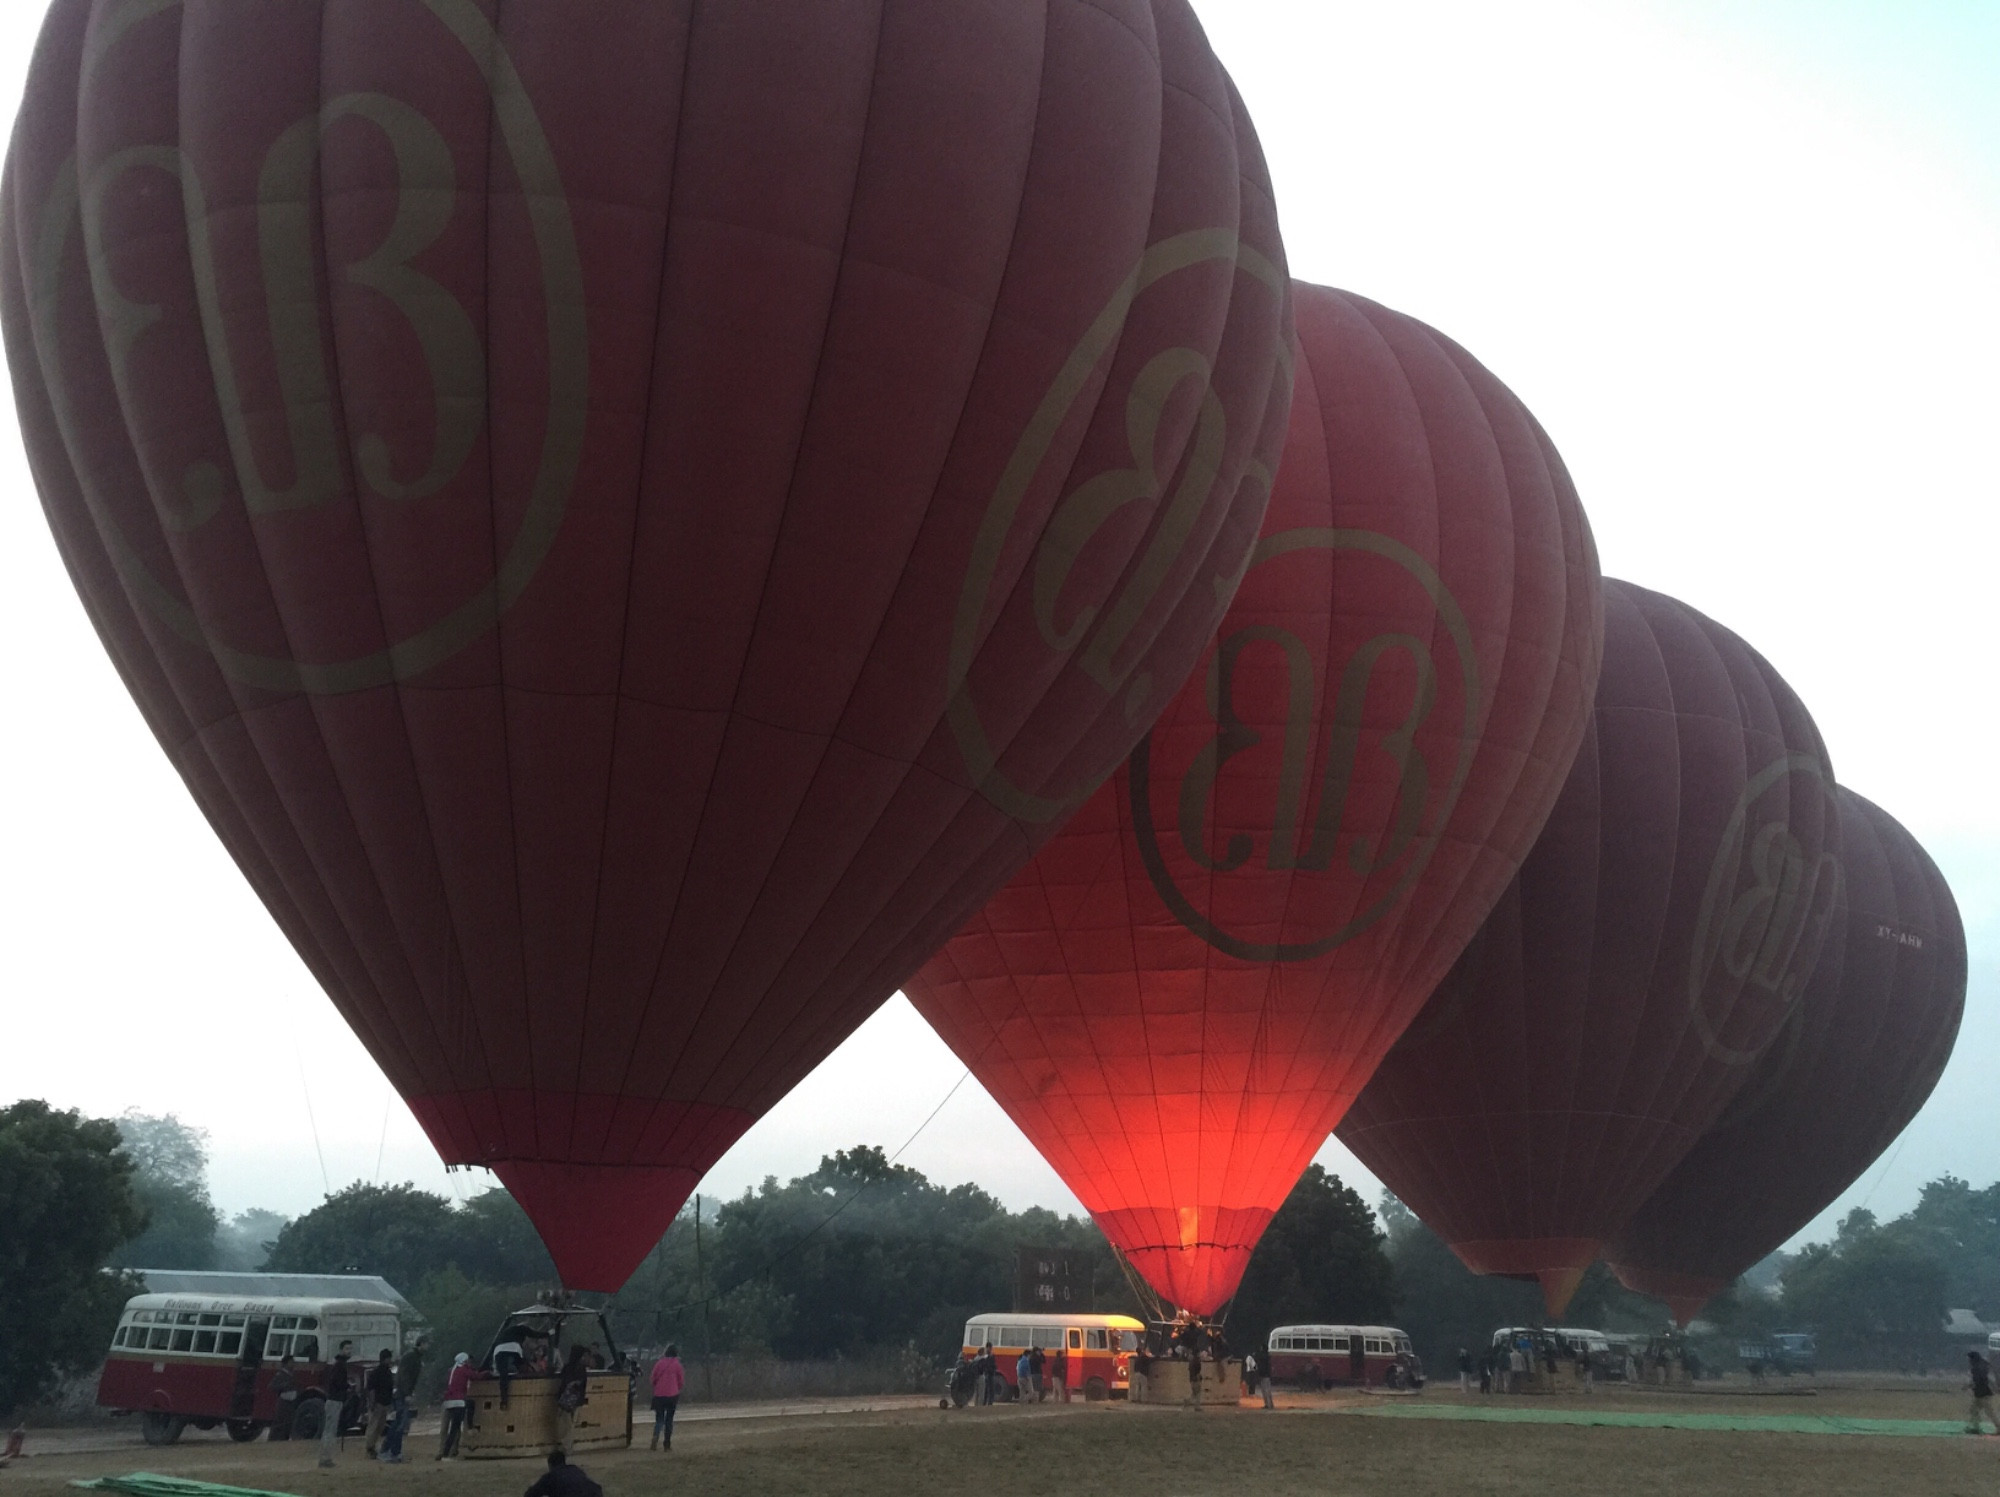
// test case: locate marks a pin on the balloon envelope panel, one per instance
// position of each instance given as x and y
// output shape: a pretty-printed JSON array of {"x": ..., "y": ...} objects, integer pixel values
[
  {"x": 1859, "y": 1054},
  {"x": 1180, "y": 995},
  {"x": 610, "y": 520},
  {"x": 1648, "y": 952}
]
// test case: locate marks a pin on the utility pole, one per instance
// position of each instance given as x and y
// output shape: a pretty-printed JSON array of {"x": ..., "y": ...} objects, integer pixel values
[{"x": 701, "y": 1288}]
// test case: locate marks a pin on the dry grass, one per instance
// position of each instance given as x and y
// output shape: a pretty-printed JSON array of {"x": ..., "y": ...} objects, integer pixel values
[{"x": 1221, "y": 1451}]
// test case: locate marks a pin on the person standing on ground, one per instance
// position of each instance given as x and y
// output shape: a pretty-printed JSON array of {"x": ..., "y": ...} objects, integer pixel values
[
  {"x": 409, "y": 1368},
  {"x": 669, "y": 1377},
  {"x": 1981, "y": 1383},
  {"x": 1464, "y": 1370},
  {"x": 1059, "y": 1371},
  {"x": 1486, "y": 1371},
  {"x": 285, "y": 1388},
  {"x": 572, "y": 1389},
  {"x": 381, "y": 1387},
  {"x": 333, "y": 1410},
  {"x": 1258, "y": 1366},
  {"x": 1024, "y": 1376},
  {"x": 456, "y": 1386},
  {"x": 564, "y": 1480},
  {"x": 1136, "y": 1379}
]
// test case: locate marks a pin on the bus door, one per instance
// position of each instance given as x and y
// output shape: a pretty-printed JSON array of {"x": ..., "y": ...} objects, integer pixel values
[
  {"x": 1073, "y": 1362},
  {"x": 243, "y": 1398}
]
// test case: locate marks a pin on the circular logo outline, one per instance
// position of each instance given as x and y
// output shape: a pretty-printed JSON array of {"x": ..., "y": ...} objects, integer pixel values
[
  {"x": 1145, "y": 833},
  {"x": 554, "y": 233}
]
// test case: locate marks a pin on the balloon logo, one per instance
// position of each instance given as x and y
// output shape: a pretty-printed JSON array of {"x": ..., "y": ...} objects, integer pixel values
[
  {"x": 1388, "y": 859},
  {"x": 1786, "y": 902},
  {"x": 453, "y": 362},
  {"x": 1104, "y": 640}
]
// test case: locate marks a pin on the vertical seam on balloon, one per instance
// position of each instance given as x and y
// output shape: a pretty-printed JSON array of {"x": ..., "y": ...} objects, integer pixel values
[
  {"x": 503, "y": 695},
  {"x": 631, "y": 574},
  {"x": 732, "y": 713},
  {"x": 314, "y": 705}
]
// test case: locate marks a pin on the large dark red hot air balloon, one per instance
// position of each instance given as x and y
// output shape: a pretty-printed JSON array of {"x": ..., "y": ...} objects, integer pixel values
[
  {"x": 1181, "y": 994},
  {"x": 1650, "y": 949},
  {"x": 633, "y": 519},
  {"x": 1863, "y": 1049}
]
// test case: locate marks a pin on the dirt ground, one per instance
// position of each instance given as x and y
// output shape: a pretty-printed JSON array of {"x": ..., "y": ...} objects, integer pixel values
[{"x": 1308, "y": 1445}]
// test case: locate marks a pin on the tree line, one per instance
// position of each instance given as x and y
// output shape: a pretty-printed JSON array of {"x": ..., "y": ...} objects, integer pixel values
[{"x": 865, "y": 1257}]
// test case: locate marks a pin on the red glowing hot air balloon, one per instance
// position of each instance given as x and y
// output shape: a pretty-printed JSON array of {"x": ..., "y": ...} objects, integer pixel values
[
  {"x": 633, "y": 519},
  {"x": 1646, "y": 955},
  {"x": 1180, "y": 995},
  {"x": 1864, "y": 1047}
]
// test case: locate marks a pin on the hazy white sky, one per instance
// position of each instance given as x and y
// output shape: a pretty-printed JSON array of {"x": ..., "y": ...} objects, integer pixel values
[{"x": 1743, "y": 259}]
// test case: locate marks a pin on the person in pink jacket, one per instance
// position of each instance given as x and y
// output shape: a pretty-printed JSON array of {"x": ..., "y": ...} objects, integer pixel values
[
  {"x": 669, "y": 1377},
  {"x": 454, "y": 1406}
]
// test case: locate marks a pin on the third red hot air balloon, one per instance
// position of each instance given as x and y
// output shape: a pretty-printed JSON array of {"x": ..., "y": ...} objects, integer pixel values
[
  {"x": 632, "y": 518},
  {"x": 1861, "y": 1053},
  {"x": 1649, "y": 950},
  {"x": 1180, "y": 995}
]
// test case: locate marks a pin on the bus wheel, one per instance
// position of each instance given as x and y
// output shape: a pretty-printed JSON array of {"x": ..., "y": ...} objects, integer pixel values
[
  {"x": 1096, "y": 1390},
  {"x": 161, "y": 1429},
  {"x": 310, "y": 1419},
  {"x": 243, "y": 1431}
]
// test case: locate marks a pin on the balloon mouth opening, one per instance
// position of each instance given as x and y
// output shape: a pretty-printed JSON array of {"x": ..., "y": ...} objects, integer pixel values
[
  {"x": 1558, "y": 1264},
  {"x": 1685, "y": 1295}
]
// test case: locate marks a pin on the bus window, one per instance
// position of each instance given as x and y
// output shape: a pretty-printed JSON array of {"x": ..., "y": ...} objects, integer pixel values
[
  {"x": 1014, "y": 1335},
  {"x": 228, "y": 1343},
  {"x": 1128, "y": 1340},
  {"x": 1048, "y": 1337},
  {"x": 1076, "y": 1340},
  {"x": 1097, "y": 1339},
  {"x": 284, "y": 1322},
  {"x": 235, "y": 1320},
  {"x": 183, "y": 1338},
  {"x": 204, "y": 1341},
  {"x": 161, "y": 1336},
  {"x": 306, "y": 1348},
  {"x": 308, "y": 1322},
  {"x": 1340, "y": 1343},
  {"x": 215, "y": 1319},
  {"x": 277, "y": 1346}
]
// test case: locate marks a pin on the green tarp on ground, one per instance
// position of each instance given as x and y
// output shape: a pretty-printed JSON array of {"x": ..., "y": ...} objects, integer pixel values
[
  {"x": 1791, "y": 1424},
  {"x": 146, "y": 1484}
]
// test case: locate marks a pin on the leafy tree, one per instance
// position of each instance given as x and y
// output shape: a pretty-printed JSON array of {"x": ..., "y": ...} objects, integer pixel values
[
  {"x": 1321, "y": 1259},
  {"x": 245, "y": 1240},
  {"x": 863, "y": 1253},
  {"x": 1960, "y": 1228},
  {"x": 1875, "y": 1295},
  {"x": 494, "y": 1242},
  {"x": 397, "y": 1231},
  {"x": 170, "y": 1180},
  {"x": 65, "y": 1203}
]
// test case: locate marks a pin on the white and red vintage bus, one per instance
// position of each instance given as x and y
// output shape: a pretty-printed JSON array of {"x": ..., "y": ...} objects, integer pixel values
[
  {"x": 1097, "y": 1348},
  {"x": 181, "y": 1359},
  {"x": 1334, "y": 1356}
]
